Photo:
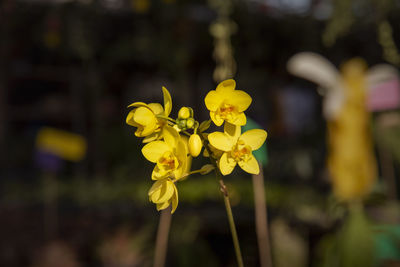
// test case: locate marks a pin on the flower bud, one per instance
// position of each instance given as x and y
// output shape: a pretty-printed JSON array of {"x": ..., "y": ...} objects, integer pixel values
[
  {"x": 195, "y": 145},
  {"x": 181, "y": 124},
  {"x": 184, "y": 113},
  {"x": 190, "y": 123}
]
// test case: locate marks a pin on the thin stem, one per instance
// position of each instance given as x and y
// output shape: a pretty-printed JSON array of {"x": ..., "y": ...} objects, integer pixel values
[
  {"x": 186, "y": 133},
  {"x": 227, "y": 203},
  {"x": 233, "y": 231},
  {"x": 261, "y": 219},
  {"x": 166, "y": 118},
  {"x": 162, "y": 238}
]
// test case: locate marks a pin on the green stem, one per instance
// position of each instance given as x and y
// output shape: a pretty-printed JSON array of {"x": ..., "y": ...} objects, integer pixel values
[
  {"x": 166, "y": 118},
  {"x": 227, "y": 203},
  {"x": 232, "y": 226}
]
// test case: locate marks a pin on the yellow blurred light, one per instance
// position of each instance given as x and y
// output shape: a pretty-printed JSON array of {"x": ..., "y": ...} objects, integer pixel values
[{"x": 66, "y": 145}]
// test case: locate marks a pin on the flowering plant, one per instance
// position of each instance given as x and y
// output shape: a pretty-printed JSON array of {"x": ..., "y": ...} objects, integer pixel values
[{"x": 172, "y": 143}]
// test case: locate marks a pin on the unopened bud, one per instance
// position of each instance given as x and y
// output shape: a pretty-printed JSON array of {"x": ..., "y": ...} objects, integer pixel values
[
  {"x": 184, "y": 113},
  {"x": 190, "y": 123},
  {"x": 195, "y": 145},
  {"x": 181, "y": 123}
]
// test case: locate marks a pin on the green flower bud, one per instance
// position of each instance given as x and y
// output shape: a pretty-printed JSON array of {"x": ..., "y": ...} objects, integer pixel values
[
  {"x": 181, "y": 123},
  {"x": 190, "y": 123}
]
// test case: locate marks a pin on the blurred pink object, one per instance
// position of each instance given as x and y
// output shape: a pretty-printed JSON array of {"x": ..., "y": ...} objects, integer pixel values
[{"x": 384, "y": 96}]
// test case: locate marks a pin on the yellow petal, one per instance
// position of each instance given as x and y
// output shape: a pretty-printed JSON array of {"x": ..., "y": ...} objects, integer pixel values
[
  {"x": 156, "y": 108},
  {"x": 250, "y": 166},
  {"x": 137, "y": 104},
  {"x": 232, "y": 131},
  {"x": 181, "y": 154},
  {"x": 174, "y": 201},
  {"x": 158, "y": 174},
  {"x": 226, "y": 164},
  {"x": 167, "y": 101},
  {"x": 154, "y": 150},
  {"x": 240, "y": 99},
  {"x": 163, "y": 206},
  {"x": 226, "y": 86},
  {"x": 165, "y": 193},
  {"x": 220, "y": 141},
  {"x": 151, "y": 137},
  {"x": 129, "y": 119},
  {"x": 156, "y": 186},
  {"x": 240, "y": 119},
  {"x": 254, "y": 138},
  {"x": 144, "y": 116},
  {"x": 216, "y": 118},
  {"x": 213, "y": 100},
  {"x": 147, "y": 129},
  {"x": 171, "y": 136}
]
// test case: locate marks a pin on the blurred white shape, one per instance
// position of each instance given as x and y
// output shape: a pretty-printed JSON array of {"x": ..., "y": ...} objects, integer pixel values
[{"x": 319, "y": 70}]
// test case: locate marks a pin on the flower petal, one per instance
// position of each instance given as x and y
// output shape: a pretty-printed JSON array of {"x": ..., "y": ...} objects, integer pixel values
[
  {"x": 216, "y": 118},
  {"x": 156, "y": 108},
  {"x": 154, "y": 150},
  {"x": 158, "y": 174},
  {"x": 167, "y": 101},
  {"x": 137, "y": 104},
  {"x": 181, "y": 154},
  {"x": 156, "y": 186},
  {"x": 143, "y": 115},
  {"x": 239, "y": 119},
  {"x": 254, "y": 138},
  {"x": 213, "y": 100},
  {"x": 226, "y": 164},
  {"x": 232, "y": 131},
  {"x": 151, "y": 137},
  {"x": 163, "y": 206},
  {"x": 174, "y": 201},
  {"x": 250, "y": 166},
  {"x": 240, "y": 99},
  {"x": 165, "y": 193},
  {"x": 129, "y": 119},
  {"x": 220, "y": 141},
  {"x": 171, "y": 136},
  {"x": 226, "y": 86}
]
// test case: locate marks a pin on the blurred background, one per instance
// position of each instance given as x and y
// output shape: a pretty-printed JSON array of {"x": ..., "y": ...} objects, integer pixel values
[{"x": 68, "y": 70}]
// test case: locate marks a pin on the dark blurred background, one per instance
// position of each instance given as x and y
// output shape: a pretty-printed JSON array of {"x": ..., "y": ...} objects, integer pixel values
[{"x": 76, "y": 65}]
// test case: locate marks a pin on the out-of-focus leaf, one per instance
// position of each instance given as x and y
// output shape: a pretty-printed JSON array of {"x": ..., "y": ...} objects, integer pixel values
[
  {"x": 356, "y": 243},
  {"x": 204, "y": 125}
]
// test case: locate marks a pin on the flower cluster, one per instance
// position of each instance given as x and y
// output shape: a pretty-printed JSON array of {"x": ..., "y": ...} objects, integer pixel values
[{"x": 172, "y": 143}]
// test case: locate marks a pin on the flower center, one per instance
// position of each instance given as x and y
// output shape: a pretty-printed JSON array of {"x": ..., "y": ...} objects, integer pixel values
[
  {"x": 241, "y": 152},
  {"x": 168, "y": 162},
  {"x": 226, "y": 111}
]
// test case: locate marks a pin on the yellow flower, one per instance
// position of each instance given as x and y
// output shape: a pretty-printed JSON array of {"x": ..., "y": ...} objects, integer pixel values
[
  {"x": 237, "y": 148},
  {"x": 227, "y": 104},
  {"x": 169, "y": 155},
  {"x": 144, "y": 117},
  {"x": 164, "y": 193}
]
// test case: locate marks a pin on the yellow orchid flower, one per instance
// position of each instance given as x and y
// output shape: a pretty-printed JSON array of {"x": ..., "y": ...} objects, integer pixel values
[
  {"x": 237, "y": 148},
  {"x": 169, "y": 155},
  {"x": 164, "y": 193},
  {"x": 144, "y": 117},
  {"x": 227, "y": 104}
]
